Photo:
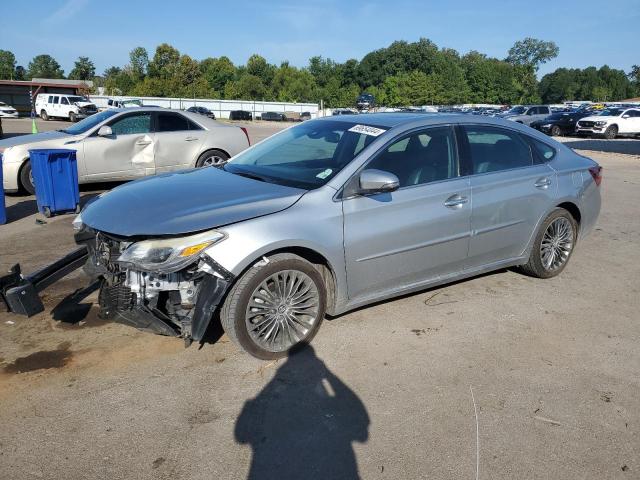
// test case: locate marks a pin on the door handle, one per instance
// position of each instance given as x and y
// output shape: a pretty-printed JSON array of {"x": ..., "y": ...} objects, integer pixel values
[
  {"x": 143, "y": 142},
  {"x": 190, "y": 139},
  {"x": 544, "y": 182},
  {"x": 455, "y": 201}
]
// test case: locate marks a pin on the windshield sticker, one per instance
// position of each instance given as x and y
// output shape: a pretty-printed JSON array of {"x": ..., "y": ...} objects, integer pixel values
[
  {"x": 367, "y": 130},
  {"x": 324, "y": 174}
]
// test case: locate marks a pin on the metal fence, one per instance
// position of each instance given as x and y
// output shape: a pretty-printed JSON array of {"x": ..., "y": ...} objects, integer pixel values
[{"x": 221, "y": 108}]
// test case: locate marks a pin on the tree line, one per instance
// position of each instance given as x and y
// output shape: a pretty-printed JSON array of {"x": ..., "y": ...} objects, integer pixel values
[{"x": 404, "y": 73}]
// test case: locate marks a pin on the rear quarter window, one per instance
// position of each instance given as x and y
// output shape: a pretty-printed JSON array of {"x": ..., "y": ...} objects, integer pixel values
[{"x": 544, "y": 152}]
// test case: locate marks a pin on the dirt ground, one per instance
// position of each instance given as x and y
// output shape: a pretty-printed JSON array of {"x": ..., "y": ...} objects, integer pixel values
[{"x": 550, "y": 369}]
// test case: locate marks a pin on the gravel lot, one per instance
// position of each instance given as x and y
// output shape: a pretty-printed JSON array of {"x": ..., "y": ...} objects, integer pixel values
[{"x": 553, "y": 367}]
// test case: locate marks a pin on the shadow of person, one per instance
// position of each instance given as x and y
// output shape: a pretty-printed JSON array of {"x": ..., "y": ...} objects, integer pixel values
[{"x": 302, "y": 424}]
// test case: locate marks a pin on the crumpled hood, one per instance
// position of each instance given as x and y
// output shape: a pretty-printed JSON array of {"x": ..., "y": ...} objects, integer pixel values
[
  {"x": 185, "y": 202},
  {"x": 37, "y": 137},
  {"x": 85, "y": 104}
]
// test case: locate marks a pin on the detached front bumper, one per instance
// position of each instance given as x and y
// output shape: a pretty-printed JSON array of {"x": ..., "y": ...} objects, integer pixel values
[
  {"x": 19, "y": 293},
  {"x": 179, "y": 304}
]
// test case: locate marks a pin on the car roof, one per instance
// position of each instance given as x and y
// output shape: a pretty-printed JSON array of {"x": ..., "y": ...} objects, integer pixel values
[{"x": 409, "y": 119}]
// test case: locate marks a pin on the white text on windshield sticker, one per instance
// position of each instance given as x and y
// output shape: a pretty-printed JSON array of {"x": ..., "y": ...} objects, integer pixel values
[{"x": 367, "y": 130}]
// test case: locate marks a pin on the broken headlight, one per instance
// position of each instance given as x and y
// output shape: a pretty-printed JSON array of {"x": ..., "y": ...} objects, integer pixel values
[{"x": 170, "y": 254}]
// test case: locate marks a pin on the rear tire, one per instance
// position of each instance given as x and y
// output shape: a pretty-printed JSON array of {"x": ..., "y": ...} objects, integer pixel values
[
  {"x": 43, "y": 115},
  {"x": 553, "y": 245},
  {"x": 273, "y": 334},
  {"x": 611, "y": 132},
  {"x": 26, "y": 178},
  {"x": 212, "y": 158}
]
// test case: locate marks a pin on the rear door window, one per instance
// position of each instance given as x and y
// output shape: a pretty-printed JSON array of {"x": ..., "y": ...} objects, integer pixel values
[
  {"x": 544, "y": 152},
  {"x": 493, "y": 149},
  {"x": 174, "y": 122}
]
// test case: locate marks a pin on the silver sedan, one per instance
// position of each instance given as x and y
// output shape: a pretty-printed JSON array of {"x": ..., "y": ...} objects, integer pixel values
[
  {"x": 331, "y": 215},
  {"x": 125, "y": 144}
]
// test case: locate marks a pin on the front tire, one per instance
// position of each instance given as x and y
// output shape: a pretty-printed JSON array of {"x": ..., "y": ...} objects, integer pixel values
[
  {"x": 553, "y": 245},
  {"x": 611, "y": 132},
  {"x": 212, "y": 158},
  {"x": 555, "y": 131},
  {"x": 275, "y": 306},
  {"x": 72, "y": 117},
  {"x": 26, "y": 178}
]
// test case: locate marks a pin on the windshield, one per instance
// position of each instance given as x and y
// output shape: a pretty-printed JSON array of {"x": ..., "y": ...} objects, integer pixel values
[
  {"x": 517, "y": 110},
  {"x": 77, "y": 99},
  {"x": 611, "y": 112},
  {"x": 306, "y": 156},
  {"x": 89, "y": 122}
]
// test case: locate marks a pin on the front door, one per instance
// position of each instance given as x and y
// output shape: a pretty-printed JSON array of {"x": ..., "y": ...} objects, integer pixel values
[
  {"x": 124, "y": 155},
  {"x": 177, "y": 140},
  {"x": 421, "y": 231},
  {"x": 511, "y": 191}
]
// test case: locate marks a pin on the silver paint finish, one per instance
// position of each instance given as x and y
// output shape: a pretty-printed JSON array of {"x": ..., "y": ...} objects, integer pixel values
[{"x": 387, "y": 244}]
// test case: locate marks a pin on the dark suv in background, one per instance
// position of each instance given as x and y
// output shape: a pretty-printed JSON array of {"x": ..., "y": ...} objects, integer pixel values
[{"x": 365, "y": 101}]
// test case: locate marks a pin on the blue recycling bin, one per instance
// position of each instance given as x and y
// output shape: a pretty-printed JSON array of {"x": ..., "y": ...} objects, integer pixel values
[
  {"x": 3, "y": 211},
  {"x": 55, "y": 175}
]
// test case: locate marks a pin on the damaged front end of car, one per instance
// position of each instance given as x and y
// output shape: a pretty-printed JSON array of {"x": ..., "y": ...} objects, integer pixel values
[{"x": 168, "y": 286}]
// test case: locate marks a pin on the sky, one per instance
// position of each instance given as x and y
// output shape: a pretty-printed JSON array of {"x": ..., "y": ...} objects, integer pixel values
[{"x": 587, "y": 32}]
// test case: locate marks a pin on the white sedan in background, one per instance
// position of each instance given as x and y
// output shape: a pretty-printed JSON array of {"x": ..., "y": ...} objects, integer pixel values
[
  {"x": 7, "y": 111},
  {"x": 126, "y": 144}
]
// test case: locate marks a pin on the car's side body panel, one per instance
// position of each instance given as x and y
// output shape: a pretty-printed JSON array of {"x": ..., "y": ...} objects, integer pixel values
[
  {"x": 505, "y": 206},
  {"x": 405, "y": 236}
]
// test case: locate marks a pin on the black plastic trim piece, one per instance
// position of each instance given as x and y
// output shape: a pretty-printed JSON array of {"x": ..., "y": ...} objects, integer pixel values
[{"x": 210, "y": 294}]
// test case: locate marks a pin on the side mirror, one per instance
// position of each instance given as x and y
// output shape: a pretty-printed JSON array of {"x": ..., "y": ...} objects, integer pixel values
[
  {"x": 105, "y": 131},
  {"x": 377, "y": 181}
]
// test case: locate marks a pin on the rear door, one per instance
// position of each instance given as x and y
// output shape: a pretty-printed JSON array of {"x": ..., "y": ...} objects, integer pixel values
[
  {"x": 177, "y": 141},
  {"x": 421, "y": 231},
  {"x": 512, "y": 188},
  {"x": 126, "y": 154}
]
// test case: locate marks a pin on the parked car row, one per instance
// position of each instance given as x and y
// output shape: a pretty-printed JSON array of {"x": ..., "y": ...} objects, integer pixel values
[{"x": 285, "y": 116}]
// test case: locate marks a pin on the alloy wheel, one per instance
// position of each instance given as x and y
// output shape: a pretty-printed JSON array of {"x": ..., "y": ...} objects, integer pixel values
[
  {"x": 557, "y": 244},
  {"x": 213, "y": 161},
  {"x": 282, "y": 310}
]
